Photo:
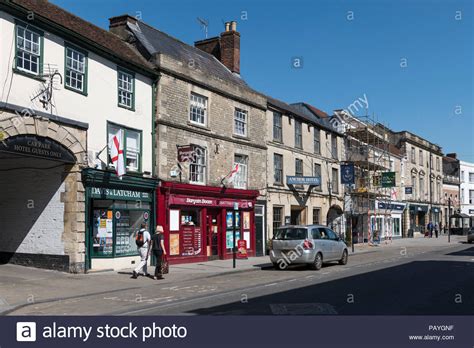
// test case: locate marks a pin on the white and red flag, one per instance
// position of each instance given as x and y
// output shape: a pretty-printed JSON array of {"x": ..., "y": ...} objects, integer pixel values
[
  {"x": 116, "y": 153},
  {"x": 229, "y": 178}
]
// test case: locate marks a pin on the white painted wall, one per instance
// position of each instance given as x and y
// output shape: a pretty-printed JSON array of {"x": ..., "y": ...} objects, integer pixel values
[
  {"x": 466, "y": 185},
  {"x": 98, "y": 107}
]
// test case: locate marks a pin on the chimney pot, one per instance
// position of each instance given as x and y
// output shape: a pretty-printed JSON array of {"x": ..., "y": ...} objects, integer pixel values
[
  {"x": 227, "y": 26},
  {"x": 233, "y": 26}
]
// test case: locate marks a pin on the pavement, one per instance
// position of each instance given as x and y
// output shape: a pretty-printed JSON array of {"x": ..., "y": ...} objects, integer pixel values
[{"x": 23, "y": 289}]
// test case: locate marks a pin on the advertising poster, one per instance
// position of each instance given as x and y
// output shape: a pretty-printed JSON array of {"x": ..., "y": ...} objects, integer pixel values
[
  {"x": 229, "y": 219},
  {"x": 247, "y": 238},
  {"x": 241, "y": 249},
  {"x": 229, "y": 237},
  {"x": 246, "y": 220},
  {"x": 174, "y": 244}
]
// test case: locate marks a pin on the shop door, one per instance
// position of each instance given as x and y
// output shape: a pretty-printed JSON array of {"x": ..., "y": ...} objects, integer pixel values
[{"x": 212, "y": 236}]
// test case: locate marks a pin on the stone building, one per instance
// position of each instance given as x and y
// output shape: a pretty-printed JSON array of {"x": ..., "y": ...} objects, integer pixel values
[
  {"x": 69, "y": 86},
  {"x": 209, "y": 142},
  {"x": 302, "y": 146},
  {"x": 424, "y": 180},
  {"x": 451, "y": 187}
]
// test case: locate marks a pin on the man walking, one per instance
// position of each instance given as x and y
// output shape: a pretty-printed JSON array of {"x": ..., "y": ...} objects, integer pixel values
[
  {"x": 142, "y": 239},
  {"x": 158, "y": 249}
]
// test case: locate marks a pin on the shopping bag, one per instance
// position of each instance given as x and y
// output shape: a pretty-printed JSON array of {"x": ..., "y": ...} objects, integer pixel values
[{"x": 165, "y": 268}]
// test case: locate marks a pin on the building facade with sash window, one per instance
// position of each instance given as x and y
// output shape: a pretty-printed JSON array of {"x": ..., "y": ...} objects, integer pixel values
[
  {"x": 210, "y": 143},
  {"x": 303, "y": 168},
  {"x": 70, "y": 87}
]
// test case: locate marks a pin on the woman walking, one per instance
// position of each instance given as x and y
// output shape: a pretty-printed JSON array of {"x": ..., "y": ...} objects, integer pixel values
[{"x": 158, "y": 248}]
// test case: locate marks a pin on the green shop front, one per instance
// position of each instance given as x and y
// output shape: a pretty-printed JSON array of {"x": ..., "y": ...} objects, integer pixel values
[{"x": 115, "y": 210}]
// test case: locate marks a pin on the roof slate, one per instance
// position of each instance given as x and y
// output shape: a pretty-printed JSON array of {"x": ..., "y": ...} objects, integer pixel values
[{"x": 88, "y": 31}]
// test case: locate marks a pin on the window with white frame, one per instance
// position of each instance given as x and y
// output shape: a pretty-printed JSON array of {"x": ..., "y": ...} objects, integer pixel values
[
  {"x": 317, "y": 173},
  {"x": 333, "y": 146},
  {"x": 422, "y": 188},
  {"x": 335, "y": 181},
  {"x": 132, "y": 145},
  {"x": 75, "y": 69},
  {"x": 471, "y": 177},
  {"x": 28, "y": 49},
  {"x": 298, "y": 167},
  {"x": 198, "y": 109},
  {"x": 471, "y": 196},
  {"x": 240, "y": 180},
  {"x": 126, "y": 88},
  {"x": 438, "y": 164},
  {"x": 197, "y": 167},
  {"x": 240, "y": 122},
  {"x": 421, "y": 157},
  {"x": 277, "y": 127},
  {"x": 413, "y": 159}
]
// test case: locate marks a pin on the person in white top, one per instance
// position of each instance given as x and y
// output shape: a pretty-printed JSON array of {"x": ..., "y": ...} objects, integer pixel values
[{"x": 142, "y": 239}]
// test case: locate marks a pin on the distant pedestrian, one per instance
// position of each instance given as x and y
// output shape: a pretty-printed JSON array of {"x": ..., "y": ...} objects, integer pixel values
[
  {"x": 158, "y": 248},
  {"x": 436, "y": 229},
  {"x": 430, "y": 229},
  {"x": 142, "y": 239}
]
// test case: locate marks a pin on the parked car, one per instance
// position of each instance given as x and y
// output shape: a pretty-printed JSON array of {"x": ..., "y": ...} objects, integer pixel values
[
  {"x": 311, "y": 245},
  {"x": 470, "y": 235}
]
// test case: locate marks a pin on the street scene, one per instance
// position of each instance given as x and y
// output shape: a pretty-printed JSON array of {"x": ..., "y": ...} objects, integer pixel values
[
  {"x": 429, "y": 276},
  {"x": 157, "y": 162}
]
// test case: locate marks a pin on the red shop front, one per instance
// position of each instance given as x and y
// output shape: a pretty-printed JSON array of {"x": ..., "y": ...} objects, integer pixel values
[{"x": 198, "y": 220}]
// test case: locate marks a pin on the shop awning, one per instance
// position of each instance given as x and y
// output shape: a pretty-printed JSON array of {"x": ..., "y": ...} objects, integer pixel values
[{"x": 460, "y": 215}]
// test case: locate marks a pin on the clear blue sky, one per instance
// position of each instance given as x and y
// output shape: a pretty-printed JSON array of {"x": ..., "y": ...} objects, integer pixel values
[{"x": 349, "y": 48}]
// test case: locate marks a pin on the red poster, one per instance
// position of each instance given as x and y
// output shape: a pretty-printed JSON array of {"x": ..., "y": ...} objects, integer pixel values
[{"x": 241, "y": 249}]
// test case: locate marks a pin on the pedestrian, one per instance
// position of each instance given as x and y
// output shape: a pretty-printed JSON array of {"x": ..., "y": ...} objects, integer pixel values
[
  {"x": 142, "y": 240},
  {"x": 429, "y": 227},
  {"x": 158, "y": 248},
  {"x": 436, "y": 228}
]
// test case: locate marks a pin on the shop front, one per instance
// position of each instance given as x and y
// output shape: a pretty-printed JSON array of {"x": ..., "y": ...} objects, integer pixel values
[
  {"x": 418, "y": 214},
  {"x": 388, "y": 219},
  {"x": 115, "y": 210},
  {"x": 199, "y": 221}
]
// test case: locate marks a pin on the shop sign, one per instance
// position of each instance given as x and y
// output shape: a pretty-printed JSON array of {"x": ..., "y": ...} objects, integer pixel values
[
  {"x": 303, "y": 180},
  {"x": 208, "y": 202},
  {"x": 388, "y": 179},
  {"x": 408, "y": 190},
  {"x": 112, "y": 193},
  {"x": 391, "y": 206},
  {"x": 185, "y": 154},
  {"x": 37, "y": 147},
  {"x": 241, "y": 249},
  {"x": 347, "y": 174}
]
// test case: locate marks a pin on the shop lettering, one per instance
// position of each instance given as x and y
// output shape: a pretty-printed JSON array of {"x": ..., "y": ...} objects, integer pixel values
[
  {"x": 115, "y": 192},
  {"x": 198, "y": 201}
]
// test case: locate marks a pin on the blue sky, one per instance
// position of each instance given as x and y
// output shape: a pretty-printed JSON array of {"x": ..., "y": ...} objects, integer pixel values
[{"x": 412, "y": 59}]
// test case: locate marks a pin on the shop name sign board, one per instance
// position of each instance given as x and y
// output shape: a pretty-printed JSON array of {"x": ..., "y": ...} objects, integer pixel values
[
  {"x": 111, "y": 193},
  {"x": 391, "y": 206},
  {"x": 37, "y": 147},
  {"x": 209, "y": 202},
  {"x": 303, "y": 180},
  {"x": 388, "y": 179}
]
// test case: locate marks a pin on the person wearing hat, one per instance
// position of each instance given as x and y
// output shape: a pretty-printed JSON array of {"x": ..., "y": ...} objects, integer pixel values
[{"x": 158, "y": 248}]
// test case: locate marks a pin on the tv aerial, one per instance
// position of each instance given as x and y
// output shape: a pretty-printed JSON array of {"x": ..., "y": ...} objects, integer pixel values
[{"x": 204, "y": 24}]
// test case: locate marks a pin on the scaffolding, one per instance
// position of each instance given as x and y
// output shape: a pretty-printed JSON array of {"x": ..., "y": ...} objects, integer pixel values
[{"x": 368, "y": 149}]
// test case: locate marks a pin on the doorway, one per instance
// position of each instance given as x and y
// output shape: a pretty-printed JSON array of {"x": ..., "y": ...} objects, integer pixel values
[
  {"x": 259, "y": 234},
  {"x": 212, "y": 235},
  {"x": 298, "y": 215}
]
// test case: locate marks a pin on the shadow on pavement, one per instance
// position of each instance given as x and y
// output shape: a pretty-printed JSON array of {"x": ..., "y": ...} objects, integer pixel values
[
  {"x": 416, "y": 288},
  {"x": 465, "y": 252}
]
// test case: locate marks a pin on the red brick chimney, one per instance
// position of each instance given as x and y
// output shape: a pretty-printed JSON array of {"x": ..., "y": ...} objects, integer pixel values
[{"x": 226, "y": 48}]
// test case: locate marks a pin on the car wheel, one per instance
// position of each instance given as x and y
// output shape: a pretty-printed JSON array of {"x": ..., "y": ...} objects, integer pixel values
[
  {"x": 343, "y": 260},
  {"x": 318, "y": 262}
]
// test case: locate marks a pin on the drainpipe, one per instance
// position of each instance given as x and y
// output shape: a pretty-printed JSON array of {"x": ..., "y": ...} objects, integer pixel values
[{"x": 154, "y": 95}]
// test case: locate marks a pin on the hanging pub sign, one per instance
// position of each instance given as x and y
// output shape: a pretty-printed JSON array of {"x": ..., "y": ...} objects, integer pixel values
[
  {"x": 185, "y": 153},
  {"x": 388, "y": 179},
  {"x": 347, "y": 174}
]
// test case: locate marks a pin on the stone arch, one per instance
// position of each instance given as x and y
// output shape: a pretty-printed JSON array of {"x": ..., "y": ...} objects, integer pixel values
[{"x": 73, "y": 139}]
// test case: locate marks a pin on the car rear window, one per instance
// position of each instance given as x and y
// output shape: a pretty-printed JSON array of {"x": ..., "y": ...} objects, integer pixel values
[{"x": 291, "y": 233}]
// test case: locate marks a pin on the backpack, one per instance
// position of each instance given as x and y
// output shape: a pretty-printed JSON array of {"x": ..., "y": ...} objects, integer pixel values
[{"x": 139, "y": 240}]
